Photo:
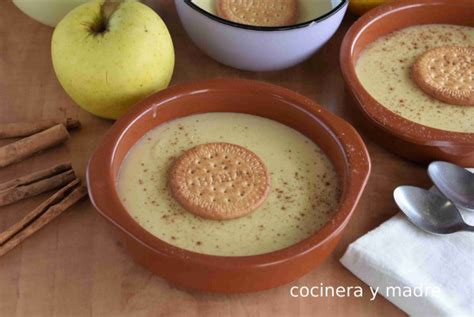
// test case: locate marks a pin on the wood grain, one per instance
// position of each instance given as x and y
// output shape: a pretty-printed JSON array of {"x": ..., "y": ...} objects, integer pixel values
[{"x": 75, "y": 266}]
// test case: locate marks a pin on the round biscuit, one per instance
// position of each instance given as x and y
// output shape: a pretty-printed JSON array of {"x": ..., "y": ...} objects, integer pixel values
[
  {"x": 447, "y": 74},
  {"x": 219, "y": 181},
  {"x": 259, "y": 12}
]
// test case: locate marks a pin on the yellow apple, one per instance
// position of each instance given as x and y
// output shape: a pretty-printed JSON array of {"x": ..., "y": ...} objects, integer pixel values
[{"x": 108, "y": 62}]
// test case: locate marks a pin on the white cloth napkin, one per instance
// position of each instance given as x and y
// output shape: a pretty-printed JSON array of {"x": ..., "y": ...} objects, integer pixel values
[{"x": 397, "y": 255}]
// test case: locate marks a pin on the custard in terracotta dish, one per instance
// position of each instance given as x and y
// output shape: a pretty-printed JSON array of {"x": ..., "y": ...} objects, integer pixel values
[
  {"x": 396, "y": 70},
  {"x": 228, "y": 184}
]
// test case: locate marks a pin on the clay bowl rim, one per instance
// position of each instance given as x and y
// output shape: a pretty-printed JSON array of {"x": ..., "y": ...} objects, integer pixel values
[
  {"x": 104, "y": 197},
  {"x": 300, "y": 25},
  {"x": 381, "y": 116}
]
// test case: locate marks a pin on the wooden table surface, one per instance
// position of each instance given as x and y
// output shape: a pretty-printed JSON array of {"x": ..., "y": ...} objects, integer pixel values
[{"x": 75, "y": 265}]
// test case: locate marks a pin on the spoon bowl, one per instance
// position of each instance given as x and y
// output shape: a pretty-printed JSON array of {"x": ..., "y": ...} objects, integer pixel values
[
  {"x": 455, "y": 182},
  {"x": 430, "y": 211}
]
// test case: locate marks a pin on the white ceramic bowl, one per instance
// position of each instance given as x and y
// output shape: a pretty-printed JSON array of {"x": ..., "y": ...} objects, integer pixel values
[{"x": 258, "y": 48}]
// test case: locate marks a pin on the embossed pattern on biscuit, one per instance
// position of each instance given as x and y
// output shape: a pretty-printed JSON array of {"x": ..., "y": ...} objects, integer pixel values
[
  {"x": 447, "y": 73},
  {"x": 259, "y": 12},
  {"x": 219, "y": 181}
]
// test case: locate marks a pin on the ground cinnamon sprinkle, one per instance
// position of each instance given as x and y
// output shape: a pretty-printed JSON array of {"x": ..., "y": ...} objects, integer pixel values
[
  {"x": 288, "y": 200},
  {"x": 390, "y": 58}
]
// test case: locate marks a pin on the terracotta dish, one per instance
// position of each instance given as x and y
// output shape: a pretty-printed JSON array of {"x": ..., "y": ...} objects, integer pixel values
[
  {"x": 337, "y": 138},
  {"x": 406, "y": 138}
]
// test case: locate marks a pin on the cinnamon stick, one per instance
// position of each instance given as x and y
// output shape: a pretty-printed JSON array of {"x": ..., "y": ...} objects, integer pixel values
[
  {"x": 55, "y": 198},
  {"x": 21, "y": 149},
  {"x": 22, "y": 129},
  {"x": 51, "y": 211},
  {"x": 15, "y": 194},
  {"x": 30, "y": 178}
]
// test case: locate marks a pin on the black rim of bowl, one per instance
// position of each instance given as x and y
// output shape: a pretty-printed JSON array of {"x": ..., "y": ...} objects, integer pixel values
[{"x": 267, "y": 28}]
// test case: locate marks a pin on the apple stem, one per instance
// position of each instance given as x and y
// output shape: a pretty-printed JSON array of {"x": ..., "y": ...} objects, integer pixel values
[{"x": 106, "y": 11}]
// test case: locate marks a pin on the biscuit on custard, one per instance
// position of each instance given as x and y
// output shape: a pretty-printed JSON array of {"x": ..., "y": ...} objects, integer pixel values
[
  {"x": 259, "y": 12},
  {"x": 447, "y": 74},
  {"x": 219, "y": 181}
]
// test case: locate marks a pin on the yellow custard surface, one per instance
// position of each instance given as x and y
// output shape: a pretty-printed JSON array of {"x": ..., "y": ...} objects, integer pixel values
[
  {"x": 304, "y": 185},
  {"x": 384, "y": 69}
]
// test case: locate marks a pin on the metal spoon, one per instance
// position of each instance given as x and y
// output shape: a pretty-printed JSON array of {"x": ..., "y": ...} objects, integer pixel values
[
  {"x": 455, "y": 182},
  {"x": 429, "y": 211}
]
